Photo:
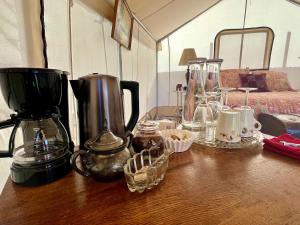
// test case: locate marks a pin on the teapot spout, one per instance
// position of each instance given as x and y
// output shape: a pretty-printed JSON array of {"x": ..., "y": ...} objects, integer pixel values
[{"x": 77, "y": 87}]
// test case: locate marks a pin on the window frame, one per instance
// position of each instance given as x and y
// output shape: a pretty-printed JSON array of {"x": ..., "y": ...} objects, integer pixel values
[{"x": 268, "y": 46}]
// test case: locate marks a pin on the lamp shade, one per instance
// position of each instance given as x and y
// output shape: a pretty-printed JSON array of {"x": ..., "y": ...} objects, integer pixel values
[{"x": 187, "y": 54}]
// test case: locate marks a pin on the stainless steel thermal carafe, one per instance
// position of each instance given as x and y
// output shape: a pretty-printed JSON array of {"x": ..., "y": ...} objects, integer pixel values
[{"x": 100, "y": 105}]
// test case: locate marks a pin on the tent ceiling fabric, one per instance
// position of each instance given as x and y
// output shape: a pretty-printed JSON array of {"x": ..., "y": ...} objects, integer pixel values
[
  {"x": 295, "y": 1},
  {"x": 162, "y": 17}
]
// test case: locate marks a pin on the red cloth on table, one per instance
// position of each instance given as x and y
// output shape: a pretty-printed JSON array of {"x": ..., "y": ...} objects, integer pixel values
[{"x": 274, "y": 145}]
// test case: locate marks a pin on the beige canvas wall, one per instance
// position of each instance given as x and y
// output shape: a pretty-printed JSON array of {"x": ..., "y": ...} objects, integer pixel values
[
  {"x": 93, "y": 50},
  {"x": 82, "y": 45}
]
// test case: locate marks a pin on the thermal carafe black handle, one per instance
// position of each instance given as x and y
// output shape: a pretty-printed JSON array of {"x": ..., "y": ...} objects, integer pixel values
[
  {"x": 133, "y": 87},
  {"x": 3, "y": 125}
]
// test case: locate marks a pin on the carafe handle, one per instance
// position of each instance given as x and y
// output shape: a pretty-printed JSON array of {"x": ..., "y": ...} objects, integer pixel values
[
  {"x": 6, "y": 124},
  {"x": 73, "y": 158},
  {"x": 133, "y": 87}
]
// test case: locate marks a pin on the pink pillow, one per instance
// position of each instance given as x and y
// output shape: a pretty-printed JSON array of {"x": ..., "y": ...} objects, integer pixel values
[
  {"x": 276, "y": 80},
  {"x": 230, "y": 78}
]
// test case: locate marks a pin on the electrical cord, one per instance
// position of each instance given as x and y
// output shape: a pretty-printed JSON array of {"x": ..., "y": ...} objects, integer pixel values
[{"x": 42, "y": 20}]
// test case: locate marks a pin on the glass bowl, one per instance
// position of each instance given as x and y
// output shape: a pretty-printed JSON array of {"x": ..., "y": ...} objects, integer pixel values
[{"x": 146, "y": 169}]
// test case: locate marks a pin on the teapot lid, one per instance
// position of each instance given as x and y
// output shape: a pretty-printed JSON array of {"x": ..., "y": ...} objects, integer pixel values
[{"x": 105, "y": 143}]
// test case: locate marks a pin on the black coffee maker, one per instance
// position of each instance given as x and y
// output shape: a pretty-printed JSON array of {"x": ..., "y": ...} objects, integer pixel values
[{"x": 40, "y": 142}]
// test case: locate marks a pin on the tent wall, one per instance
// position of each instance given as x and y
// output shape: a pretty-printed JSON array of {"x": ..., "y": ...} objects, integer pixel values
[
  {"x": 78, "y": 40},
  {"x": 10, "y": 54},
  {"x": 280, "y": 15},
  {"x": 102, "y": 7}
]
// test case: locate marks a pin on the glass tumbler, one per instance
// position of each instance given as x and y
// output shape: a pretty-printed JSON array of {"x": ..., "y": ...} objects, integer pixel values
[
  {"x": 215, "y": 107},
  {"x": 212, "y": 81},
  {"x": 203, "y": 121},
  {"x": 194, "y": 91}
]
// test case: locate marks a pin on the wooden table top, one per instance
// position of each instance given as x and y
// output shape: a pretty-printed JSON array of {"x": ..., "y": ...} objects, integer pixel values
[{"x": 202, "y": 186}]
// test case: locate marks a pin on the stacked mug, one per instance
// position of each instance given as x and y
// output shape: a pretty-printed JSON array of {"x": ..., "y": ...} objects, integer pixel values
[{"x": 235, "y": 124}]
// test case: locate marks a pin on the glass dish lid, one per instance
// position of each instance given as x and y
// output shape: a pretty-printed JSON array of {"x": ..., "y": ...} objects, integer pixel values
[{"x": 148, "y": 126}]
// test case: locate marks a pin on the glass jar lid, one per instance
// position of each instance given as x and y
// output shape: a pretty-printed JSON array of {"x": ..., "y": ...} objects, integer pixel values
[
  {"x": 148, "y": 126},
  {"x": 105, "y": 143}
]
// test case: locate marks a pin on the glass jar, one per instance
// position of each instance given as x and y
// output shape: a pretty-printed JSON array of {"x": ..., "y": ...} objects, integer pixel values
[{"x": 147, "y": 136}]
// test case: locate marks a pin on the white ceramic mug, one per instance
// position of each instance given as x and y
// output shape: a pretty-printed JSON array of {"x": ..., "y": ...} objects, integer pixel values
[
  {"x": 248, "y": 122},
  {"x": 229, "y": 126}
]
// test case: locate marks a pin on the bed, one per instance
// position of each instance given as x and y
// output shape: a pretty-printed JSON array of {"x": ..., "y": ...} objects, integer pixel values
[
  {"x": 285, "y": 102},
  {"x": 281, "y": 98}
]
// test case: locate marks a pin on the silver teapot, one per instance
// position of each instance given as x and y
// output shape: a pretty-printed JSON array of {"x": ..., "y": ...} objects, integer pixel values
[{"x": 104, "y": 157}]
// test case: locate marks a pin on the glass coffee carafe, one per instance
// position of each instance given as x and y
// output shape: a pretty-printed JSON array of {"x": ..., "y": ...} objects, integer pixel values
[{"x": 39, "y": 141}]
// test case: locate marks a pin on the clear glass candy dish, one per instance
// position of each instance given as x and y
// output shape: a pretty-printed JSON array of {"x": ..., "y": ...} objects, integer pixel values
[{"x": 146, "y": 169}]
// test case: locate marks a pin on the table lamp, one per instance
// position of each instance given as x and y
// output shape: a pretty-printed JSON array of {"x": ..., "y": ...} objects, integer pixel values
[{"x": 187, "y": 54}]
